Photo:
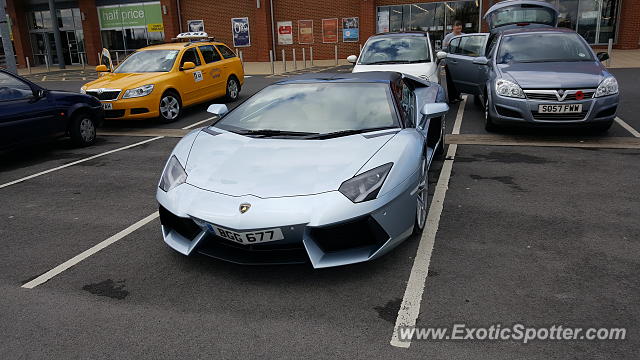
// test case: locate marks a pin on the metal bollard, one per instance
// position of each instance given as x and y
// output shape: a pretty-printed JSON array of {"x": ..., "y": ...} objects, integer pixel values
[
  {"x": 117, "y": 59},
  {"x": 311, "y": 55},
  {"x": 46, "y": 63},
  {"x": 295, "y": 65},
  {"x": 360, "y": 47},
  {"x": 273, "y": 70},
  {"x": 82, "y": 61},
  {"x": 284, "y": 62},
  {"x": 336, "y": 55},
  {"x": 28, "y": 65},
  {"x": 304, "y": 58},
  {"x": 242, "y": 60},
  {"x": 609, "y": 50}
]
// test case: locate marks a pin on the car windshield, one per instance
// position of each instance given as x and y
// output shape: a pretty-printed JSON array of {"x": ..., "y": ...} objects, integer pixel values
[
  {"x": 395, "y": 50},
  {"x": 516, "y": 15},
  {"x": 148, "y": 61},
  {"x": 314, "y": 108},
  {"x": 543, "y": 47}
]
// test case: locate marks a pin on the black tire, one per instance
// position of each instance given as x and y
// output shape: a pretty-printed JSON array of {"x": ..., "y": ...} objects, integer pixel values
[
  {"x": 170, "y": 107},
  {"x": 602, "y": 127},
  {"x": 423, "y": 190},
  {"x": 82, "y": 129},
  {"x": 489, "y": 125},
  {"x": 233, "y": 89},
  {"x": 477, "y": 101}
]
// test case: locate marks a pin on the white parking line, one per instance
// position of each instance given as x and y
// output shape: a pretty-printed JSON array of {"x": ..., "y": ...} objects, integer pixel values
[
  {"x": 198, "y": 123},
  {"x": 79, "y": 161},
  {"x": 85, "y": 254},
  {"x": 628, "y": 127},
  {"x": 410, "y": 307}
]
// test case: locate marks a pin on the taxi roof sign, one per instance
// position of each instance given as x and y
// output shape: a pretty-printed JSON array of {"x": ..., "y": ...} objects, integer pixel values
[{"x": 192, "y": 35}]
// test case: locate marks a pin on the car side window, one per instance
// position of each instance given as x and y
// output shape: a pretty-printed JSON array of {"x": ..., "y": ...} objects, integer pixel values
[
  {"x": 190, "y": 55},
  {"x": 454, "y": 46},
  {"x": 12, "y": 88},
  {"x": 471, "y": 45},
  {"x": 209, "y": 54},
  {"x": 408, "y": 104},
  {"x": 226, "y": 52}
]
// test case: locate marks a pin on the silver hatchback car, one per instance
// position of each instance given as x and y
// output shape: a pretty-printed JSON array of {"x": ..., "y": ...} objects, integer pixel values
[{"x": 527, "y": 71}]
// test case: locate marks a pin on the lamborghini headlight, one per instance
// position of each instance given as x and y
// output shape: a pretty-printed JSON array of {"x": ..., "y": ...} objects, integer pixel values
[
  {"x": 365, "y": 186},
  {"x": 608, "y": 86},
  {"x": 143, "y": 90},
  {"x": 509, "y": 89},
  {"x": 173, "y": 175}
]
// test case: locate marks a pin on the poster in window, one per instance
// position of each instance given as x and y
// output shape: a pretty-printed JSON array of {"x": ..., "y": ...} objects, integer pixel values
[
  {"x": 195, "y": 25},
  {"x": 285, "y": 32},
  {"x": 383, "y": 21},
  {"x": 305, "y": 31},
  {"x": 351, "y": 29},
  {"x": 240, "y": 29},
  {"x": 330, "y": 30}
]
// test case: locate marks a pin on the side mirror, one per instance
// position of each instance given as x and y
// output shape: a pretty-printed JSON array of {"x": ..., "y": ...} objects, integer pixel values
[
  {"x": 480, "y": 60},
  {"x": 352, "y": 59},
  {"x": 102, "y": 68},
  {"x": 188, "y": 65},
  {"x": 440, "y": 55},
  {"x": 217, "y": 109},
  {"x": 434, "y": 110},
  {"x": 602, "y": 56}
]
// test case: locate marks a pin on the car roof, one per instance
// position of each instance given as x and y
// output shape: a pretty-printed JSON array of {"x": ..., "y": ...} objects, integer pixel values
[
  {"x": 360, "y": 77},
  {"x": 402, "y": 33},
  {"x": 178, "y": 45},
  {"x": 507, "y": 3},
  {"x": 537, "y": 30}
]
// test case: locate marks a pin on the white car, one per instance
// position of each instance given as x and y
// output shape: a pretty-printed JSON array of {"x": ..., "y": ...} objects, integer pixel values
[{"x": 407, "y": 52}]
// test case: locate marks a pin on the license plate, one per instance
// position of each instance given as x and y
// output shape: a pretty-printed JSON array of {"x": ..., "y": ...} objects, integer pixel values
[
  {"x": 107, "y": 106},
  {"x": 249, "y": 237},
  {"x": 560, "y": 109}
]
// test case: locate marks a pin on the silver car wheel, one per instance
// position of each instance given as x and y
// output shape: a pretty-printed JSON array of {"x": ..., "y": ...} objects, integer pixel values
[
  {"x": 422, "y": 198},
  {"x": 87, "y": 130},
  {"x": 169, "y": 107},
  {"x": 232, "y": 89}
]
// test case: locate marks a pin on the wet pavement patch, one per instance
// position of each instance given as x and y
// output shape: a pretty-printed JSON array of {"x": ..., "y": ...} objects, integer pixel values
[
  {"x": 109, "y": 288},
  {"x": 507, "y": 180},
  {"x": 389, "y": 311},
  {"x": 505, "y": 157}
]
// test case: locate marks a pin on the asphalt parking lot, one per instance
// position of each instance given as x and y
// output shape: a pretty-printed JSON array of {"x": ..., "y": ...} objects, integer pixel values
[{"x": 528, "y": 233}]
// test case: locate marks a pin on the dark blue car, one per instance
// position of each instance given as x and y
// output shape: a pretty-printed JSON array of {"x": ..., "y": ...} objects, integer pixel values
[{"x": 29, "y": 112}]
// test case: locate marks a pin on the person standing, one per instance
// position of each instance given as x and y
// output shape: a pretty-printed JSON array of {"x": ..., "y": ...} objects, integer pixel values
[{"x": 453, "y": 93}]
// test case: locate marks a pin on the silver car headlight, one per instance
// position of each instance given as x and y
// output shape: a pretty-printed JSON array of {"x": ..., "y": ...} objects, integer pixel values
[
  {"x": 365, "y": 186},
  {"x": 143, "y": 90},
  {"x": 608, "y": 86},
  {"x": 509, "y": 89},
  {"x": 173, "y": 175}
]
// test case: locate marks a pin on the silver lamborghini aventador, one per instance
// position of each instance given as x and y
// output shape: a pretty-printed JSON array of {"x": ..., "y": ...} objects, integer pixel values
[{"x": 323, "y": 168}]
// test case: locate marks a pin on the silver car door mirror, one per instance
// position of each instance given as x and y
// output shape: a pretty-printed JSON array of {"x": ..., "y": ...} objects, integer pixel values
[
  {"x": 434, "y": 110},
  {"x": 218, "y": 109},
  {"x": 440, "y": 55},
  {"x": 481, "y": 60},
  {"x": 352, "y": 59}
]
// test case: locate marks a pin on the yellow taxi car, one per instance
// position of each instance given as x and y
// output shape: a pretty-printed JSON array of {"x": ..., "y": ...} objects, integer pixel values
[{"x": 159, "y": 80}]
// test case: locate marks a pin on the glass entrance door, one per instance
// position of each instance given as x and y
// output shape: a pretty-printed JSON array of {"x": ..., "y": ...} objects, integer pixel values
[{"x": 72, "y": 44}]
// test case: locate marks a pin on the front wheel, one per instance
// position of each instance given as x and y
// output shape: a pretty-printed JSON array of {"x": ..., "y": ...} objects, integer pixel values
[
  {"x": 422, "y": 199},
  {"x": 233, "y": 89},
  {"x": 489, "y": 125},
  {"x": 83, "y": 130},
  {"x": 170, "y": 107}
]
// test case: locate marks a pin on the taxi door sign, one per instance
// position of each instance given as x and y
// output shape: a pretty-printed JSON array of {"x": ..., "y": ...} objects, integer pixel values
[{"x": 197, "y": 76}]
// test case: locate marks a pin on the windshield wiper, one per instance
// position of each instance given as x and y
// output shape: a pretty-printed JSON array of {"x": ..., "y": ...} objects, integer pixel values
[
  {"x": 271, "y": 132},
  {"x": 388, "y": 62},
  {"x": 340, "y": 133},
  {"x": 418, "y": 61}
]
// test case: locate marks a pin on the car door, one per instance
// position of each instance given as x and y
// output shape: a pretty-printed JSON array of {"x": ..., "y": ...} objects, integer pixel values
[
  {"x": 190, "y": 82},
  {"x": 25, "y": 114},
  {"x": 230, "y": 63},
  {"x": 466, "y": 75},
  {"x": 213, "y": 74}
]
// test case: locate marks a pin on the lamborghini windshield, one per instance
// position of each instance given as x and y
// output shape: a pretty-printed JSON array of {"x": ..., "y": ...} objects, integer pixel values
[{"x": 314, "y": 108}]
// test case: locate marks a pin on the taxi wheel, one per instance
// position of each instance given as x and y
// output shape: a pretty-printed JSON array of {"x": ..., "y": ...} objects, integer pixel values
[
  {"x": 233, "y": 89},
  {"x": 170, "y": 107},
  {"x": 83, "y": 129}
]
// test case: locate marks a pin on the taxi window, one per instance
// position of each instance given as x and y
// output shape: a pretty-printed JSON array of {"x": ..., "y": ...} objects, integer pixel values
[
  {"x": 209, "y": 54},
  {"x": 190, "y": 55},
  {"x": 226, "y": 52}
]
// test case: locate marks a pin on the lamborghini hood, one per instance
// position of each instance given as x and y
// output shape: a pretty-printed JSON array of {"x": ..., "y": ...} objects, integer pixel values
[{"x": 237, "y": 165}]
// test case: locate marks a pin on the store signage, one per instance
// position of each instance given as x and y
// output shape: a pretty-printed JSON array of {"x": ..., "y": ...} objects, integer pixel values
[
  {"x": 147, "y": 15},
  {"x": 305, "y": 31},
  {"x": 240, "y": 30},
  {"x": 351, "y": 29},
  {"x": 285, "y": 32},
  {"x": 329, "y": 30}
]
